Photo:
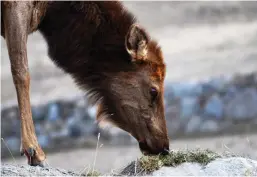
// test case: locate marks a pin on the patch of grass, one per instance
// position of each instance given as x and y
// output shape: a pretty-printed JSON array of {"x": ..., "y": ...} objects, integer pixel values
[
  {"x": 152, "y": 163},
  {"x": 93, "y": 173},
  {"x": 248, "y": 172}
]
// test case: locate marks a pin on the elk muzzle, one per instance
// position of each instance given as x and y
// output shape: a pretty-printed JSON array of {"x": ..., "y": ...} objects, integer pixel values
[{"x": 156, "y": 147}]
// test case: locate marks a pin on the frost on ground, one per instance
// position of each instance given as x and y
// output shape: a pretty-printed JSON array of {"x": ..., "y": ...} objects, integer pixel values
[
  {"x": 233, "y": 166},
  {"x": 178, "y": 163},
  {"x": 20, "y": 170}
]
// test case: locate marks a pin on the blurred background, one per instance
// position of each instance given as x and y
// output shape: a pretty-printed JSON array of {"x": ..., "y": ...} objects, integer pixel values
[{"x": 210, "y": 49}]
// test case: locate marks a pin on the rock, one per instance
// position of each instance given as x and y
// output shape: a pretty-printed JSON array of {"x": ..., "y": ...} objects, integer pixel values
[
  {"x": 197, "y": 89},
  {"x": 168, "y": 91},
  {"x": 244, "y": 81},
  {"x": 208, "y": 89},
  {"x": 74, "y": 125},
  {"x": 219, "y": 83},
  {"x": 228, "y": 166},
  {"x": 214, "y": 107},
  {"x": 185, "y": 169},
  {"x": 67, "y": 107},
  {"x": 230, "y": 93},
  {"x": 39, "y": 129},
  {"x": 92, "y": 112},
  {"x": 53, "y": 112},
  {"x": 10, "y": 112},
  {"x": 232, "y": 166},
  {"x": 243, "y": 106},
  {"x": 186, "y": 89},
  {"x": 173, "y": 122},
  {"x": 38, "y": 113},
  {"x": 20, "y": 170},
  {"x": 75, "y": 131},
  {"x": 79, "y": 125},
  {"x": 43, "y": 140},
  {"x": 189, "y": 107},
  {"x": 193, "y": 125},
  {"x": 209, "y": 126},
  {"x": 89, "y": 128}
]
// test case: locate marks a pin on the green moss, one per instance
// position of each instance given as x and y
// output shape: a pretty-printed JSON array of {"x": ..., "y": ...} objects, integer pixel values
[{"x": 152, "y": 163}]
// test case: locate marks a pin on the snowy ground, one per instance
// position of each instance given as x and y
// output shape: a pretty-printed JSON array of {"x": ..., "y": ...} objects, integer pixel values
[{"x": 113, "y": 158}]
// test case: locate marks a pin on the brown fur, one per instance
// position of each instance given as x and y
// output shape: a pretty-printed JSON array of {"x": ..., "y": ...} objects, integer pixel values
[{"x": 107, "y": 53}]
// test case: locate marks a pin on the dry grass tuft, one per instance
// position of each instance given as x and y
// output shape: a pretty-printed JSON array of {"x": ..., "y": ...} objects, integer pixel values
[
  {"x": 200, "y": 156},
  {"x": 148, "y": 164},
  {"x": 93, "y": 173}
]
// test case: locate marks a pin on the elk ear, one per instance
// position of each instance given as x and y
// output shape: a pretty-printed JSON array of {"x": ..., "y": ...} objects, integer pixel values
[{"x": 136, "y": 43}]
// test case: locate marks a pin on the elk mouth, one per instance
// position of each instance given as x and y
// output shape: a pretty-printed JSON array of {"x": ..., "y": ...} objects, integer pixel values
[{"x": 146, "y": 150}]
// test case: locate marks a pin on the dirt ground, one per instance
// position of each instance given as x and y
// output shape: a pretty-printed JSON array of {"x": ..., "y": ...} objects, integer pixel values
[{"x": 114, "y": 158}]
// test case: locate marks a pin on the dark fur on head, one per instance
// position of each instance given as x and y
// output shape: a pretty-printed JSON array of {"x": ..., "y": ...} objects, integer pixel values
[{"x": 114, "y": 59}]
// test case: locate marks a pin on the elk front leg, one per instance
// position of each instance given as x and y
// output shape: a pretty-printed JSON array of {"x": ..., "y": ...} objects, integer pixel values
[{"x": 16, "y": 22}]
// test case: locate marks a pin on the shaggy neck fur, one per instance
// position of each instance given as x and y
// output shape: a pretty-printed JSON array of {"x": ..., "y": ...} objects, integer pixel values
[{"x": 86, "y": 39}]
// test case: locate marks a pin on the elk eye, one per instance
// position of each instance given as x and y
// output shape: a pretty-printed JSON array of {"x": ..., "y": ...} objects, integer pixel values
[{"x": 153, "y": 93}]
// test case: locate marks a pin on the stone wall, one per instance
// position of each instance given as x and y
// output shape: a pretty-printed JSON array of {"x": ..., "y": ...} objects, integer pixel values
[{"x": 214, "y": 106}]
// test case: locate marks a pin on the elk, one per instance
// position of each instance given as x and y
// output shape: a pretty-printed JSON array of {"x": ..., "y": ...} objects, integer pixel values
[{"x": 107, "y": 53}]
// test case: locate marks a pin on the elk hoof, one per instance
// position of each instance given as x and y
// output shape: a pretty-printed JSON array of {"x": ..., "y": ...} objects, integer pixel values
[{"x": 33, "y": 160}]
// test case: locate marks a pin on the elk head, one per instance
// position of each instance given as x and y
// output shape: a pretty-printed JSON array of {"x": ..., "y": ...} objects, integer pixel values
[{"x": 133, "y": 98}]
